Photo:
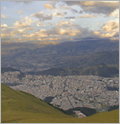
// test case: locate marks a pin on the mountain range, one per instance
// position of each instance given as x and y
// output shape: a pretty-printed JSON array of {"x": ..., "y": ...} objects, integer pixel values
[{"x": 38, "y": 57}]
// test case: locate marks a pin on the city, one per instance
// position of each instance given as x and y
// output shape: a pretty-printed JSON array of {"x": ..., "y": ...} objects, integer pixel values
[{"x": 68, "y": 92}]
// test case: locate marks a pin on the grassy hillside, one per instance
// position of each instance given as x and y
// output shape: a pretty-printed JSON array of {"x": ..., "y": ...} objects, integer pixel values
[{"x": 17, "y": 106}]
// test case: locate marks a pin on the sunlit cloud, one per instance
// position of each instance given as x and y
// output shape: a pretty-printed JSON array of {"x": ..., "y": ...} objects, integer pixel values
[
  {"x": 65, "y": 20},
  {"x": 64, "y": 7},
  {"x": 87, "y": 16},
  {"x": 112, "y": 25},
  {"x": 48, "y": 6},
  {"x": 20, "y": 12},
  {"x": 115, "y": 13},
  {"x": 104, "y": 35},
  {"x": 37, "y": 34},
  {"x": 72, "y": 19},
  {"x": 27, "y": 22},
  {"x": 4, "y": 8},
  {"x": 4, "y": 25},
  {"x": 3, "y": 16},
  {"x": 69, "y": 31},
  {"x": 66, "y": 24}
]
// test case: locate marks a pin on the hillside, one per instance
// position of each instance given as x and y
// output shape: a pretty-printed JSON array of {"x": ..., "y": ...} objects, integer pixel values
[
  {"x": 21, "y": 107},
  {"x": 34, "y": 57},
  {"x": 99, "y": 70}
]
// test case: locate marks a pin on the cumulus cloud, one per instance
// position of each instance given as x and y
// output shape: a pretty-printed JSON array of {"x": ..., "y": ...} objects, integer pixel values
[
  {"x": 4, "y": 25},
  {"x": 66, "y": 24},
  {"x": 69, "y": 31},
  {"x": 115, "y": 13},
  {"x": 87, "y": 16},
  {"x": 41, "y": 16},
  {"x": 19, "y": 12},
  {"x": 112, "y": 25},
  {"x": 5, "y": 31},
  {"x": 105, "y": 7},
  {"x": 105, "y": 35},
  {"x": 59, "y": 14},
  {"x": 48, "y": 6},
  {"x": 27, "y": 22},
  {"x": 72, "y": 19},
  {"x": 3, "y": 16},
  {"x": 38, "y": 15},
  {"x": 37, "y": 34}
]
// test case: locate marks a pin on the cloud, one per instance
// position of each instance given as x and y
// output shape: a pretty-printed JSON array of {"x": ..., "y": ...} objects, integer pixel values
[
  {"x": 112, "y": 25},
  {"x": 74, "y": 10},
  {"x": 87, "y": 16},
  {"x": 115, "y": 13},
  {"x": 48, "y": 6},
  {"x": 64, "y": 7},
  {"x": 4, "y": 8},
  {"x": 3, "y": 16},
  {"x": 104, "y": 7},
  {"x": 69, "y": 31},
  {"x": 27, "y": 22},
  {"x": 49, "y": 23},
  {"x": 5, "y": 31},
  {"x": 59, "y": 14},
  {"x": 17, "y": 32},
  {"x": 72, "y": 17},
  {"x": 19, "y": 12},
  {"x": 105, "y": 35},
  {"x": 40, "y": 24},
  {"x": 66, "y": 24},
  {"x": 38, "y": 15},
  {"x": 4, "y": 25},
  {"x": 37, "y": 34},
  {"x": 25, "y": 2},
  {"x": 41, "y": 16}
]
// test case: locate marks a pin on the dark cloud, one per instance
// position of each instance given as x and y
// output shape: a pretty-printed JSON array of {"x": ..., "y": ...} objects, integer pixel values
[
  {"x": 72, "y": 17},
  {"x": 42, "y": 17},
  {"x": 47, "y": 17},
  {"x": 81, "y": 12},
  {"x": 74, "y": 11},
  {"x": 60, "y": 14},
  {"x": 95, "y": 6}
]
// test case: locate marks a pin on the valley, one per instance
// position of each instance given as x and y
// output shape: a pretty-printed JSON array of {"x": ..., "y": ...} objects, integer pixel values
[{"x": 68, "y": 92}]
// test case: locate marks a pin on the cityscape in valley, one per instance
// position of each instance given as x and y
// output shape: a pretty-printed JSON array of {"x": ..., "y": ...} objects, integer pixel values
[
  {"x": 62, "y": 56},
  {"x": 67, "y": 92}
]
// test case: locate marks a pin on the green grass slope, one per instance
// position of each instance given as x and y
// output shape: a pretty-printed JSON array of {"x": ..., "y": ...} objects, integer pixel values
[{"x": 21, "y": 107}]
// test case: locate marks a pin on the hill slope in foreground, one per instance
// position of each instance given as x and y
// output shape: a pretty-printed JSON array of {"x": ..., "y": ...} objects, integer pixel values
[{"x": 18, "y": 106}]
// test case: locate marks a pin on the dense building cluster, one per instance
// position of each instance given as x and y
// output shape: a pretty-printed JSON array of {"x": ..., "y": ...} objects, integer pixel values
[{"x": 68, "y": 92}]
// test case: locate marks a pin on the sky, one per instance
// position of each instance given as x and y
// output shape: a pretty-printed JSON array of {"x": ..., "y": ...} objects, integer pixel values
[{"x": 59, "y": 21}]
